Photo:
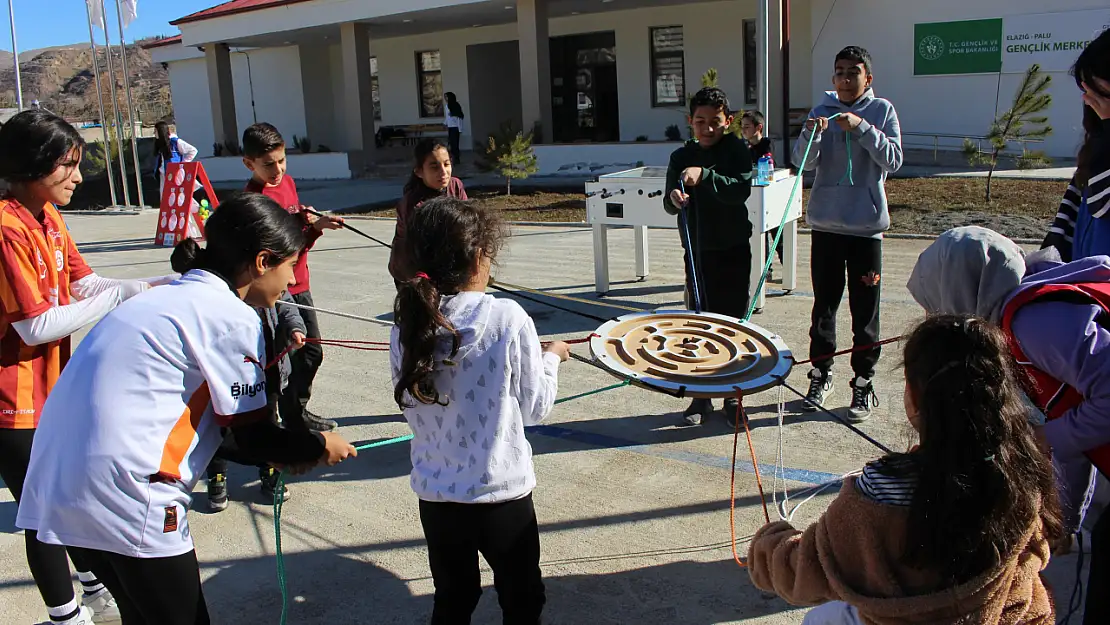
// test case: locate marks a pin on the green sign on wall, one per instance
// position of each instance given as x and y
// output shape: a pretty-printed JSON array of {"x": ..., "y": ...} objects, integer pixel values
[{"x": 968, "y": 47}]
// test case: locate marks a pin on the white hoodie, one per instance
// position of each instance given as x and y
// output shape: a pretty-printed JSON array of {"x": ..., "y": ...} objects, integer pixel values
[{"x": 473, "y": 449}]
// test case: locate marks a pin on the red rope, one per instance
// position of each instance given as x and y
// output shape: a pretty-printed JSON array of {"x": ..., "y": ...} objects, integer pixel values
[
  {"x": 861, "y": 348},
  {"x": 366, "y": 346},
  {"x": 742, "y": 416},
  {"x": 580, "y": 341}
]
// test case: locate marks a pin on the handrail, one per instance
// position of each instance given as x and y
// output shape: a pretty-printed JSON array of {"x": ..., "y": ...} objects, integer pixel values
[{"x": 937, "y": 136}]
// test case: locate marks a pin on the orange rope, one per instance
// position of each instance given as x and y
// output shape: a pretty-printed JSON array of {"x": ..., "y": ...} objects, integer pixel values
[{"x": 741, "y": 416}]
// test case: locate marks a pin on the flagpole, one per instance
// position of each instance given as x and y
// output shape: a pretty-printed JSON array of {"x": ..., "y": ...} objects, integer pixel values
[
  {"x": 100, "y": 102},
  {"x": 130, "y": 108},
  {"x": 117, "y": 121},
  {"x": 15, "y": 52}
]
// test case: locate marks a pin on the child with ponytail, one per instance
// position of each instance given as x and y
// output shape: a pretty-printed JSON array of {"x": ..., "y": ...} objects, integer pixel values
[
  {"x": 469, "y": 375},
  {"x": 958, "y": 529},
  {"x": 431, "y": 177}
]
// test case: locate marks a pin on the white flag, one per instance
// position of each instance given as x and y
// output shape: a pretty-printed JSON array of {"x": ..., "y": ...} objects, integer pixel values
[
  {"x": 130, "y": 12},
  {"x": 96, "y": 16}
]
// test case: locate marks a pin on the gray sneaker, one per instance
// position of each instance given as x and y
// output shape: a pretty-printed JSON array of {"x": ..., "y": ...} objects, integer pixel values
[
  {"x": 863, "y": 398},
  {"x": 820, "y": 390},
  {"x": 698, "y": 410}
]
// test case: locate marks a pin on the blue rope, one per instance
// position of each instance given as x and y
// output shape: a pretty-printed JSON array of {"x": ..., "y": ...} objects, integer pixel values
[
  {"x": 685, "y": 224},
  {"x": 782, "y": 224}
]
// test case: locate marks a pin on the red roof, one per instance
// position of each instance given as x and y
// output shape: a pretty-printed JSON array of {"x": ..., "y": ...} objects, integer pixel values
[
  {"x": 167, "y": 41},
  {"x": 231, "y": 8}
]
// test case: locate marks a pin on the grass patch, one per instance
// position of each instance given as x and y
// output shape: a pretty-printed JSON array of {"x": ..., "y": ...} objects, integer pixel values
[{"x": 1021, "y": 208}]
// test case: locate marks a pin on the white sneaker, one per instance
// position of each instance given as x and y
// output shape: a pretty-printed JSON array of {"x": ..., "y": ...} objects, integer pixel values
[
  {"x": 103, "y": 606},
  {"x": 84, "y": 617}
]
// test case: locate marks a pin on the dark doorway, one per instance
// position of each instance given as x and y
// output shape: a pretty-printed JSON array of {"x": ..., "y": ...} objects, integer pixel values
[{"x": 584, "y": 104}]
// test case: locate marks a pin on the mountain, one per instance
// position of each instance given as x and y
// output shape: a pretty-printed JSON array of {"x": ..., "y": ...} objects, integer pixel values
[{"x": 62, "y": 80}]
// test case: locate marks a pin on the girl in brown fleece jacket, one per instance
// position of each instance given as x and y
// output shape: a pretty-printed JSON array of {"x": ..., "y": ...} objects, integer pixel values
[{"x": 957, "y": 530}]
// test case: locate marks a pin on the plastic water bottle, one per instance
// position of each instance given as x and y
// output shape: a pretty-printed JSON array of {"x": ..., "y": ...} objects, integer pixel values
[{"x": 765, "y": 170}]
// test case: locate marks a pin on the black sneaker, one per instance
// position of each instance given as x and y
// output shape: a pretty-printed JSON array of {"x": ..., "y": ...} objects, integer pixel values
[
  {"x": 732, "y": 410},
  {"x": 820, "y": 390},
  {"x": 863, "y": 398},
  {"x": 317, "y": 423},
  {"x": 269, "y": 477},
  {"x": 699, "y": 408},
  {"x": 217, "y": 492}
]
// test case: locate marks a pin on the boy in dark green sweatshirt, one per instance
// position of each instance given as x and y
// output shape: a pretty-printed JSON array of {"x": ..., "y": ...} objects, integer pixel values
[{"x": 715, "y": 169}]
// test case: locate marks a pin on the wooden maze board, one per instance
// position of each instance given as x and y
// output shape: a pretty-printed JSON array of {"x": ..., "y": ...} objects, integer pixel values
[{"x": 692, "y": 354}]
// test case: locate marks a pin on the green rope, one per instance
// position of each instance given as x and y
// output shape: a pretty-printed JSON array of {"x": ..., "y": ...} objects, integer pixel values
[
  {"x": 280, "y": 488},
  {"x": 848, "y": 171},
  {"x": 594, "y": 392},
  {"x": 782, "y": 224}
]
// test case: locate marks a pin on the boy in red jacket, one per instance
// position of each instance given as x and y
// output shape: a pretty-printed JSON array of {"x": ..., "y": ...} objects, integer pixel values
[{"x": 264, "y": 156}]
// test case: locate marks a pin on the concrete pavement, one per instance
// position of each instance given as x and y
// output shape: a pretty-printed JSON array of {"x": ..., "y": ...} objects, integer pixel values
[{"x": 633, "y": 510}]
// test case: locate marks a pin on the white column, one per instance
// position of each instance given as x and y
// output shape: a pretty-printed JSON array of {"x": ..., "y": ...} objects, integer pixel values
[
  {"x": 221, "y": 90},
  {"x": 535, "y": 65},
  {"x": 358, "y": 99}
]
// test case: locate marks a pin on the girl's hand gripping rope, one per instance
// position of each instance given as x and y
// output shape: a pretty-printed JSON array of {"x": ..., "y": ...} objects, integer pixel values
[{"x": 560, "y": 349}]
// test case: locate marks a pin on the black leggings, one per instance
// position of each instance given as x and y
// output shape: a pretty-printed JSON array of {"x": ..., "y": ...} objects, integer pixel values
[
  {"x": 47, "y": 562},
  {"x": 507, "y": 535},
  {"x": 165, "y": 591}
]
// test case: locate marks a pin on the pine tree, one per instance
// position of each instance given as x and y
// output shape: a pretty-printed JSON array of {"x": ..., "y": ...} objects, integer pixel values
[
  {"x": 518, "y": 161},
  {"x": 710, "y": 79},
  {"x": 1024, "y": 121}
]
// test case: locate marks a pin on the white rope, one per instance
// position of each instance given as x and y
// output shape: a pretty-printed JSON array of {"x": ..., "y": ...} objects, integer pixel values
[
  {"x": 780, "y": 474},
  {"x": 337, "y": 313}
]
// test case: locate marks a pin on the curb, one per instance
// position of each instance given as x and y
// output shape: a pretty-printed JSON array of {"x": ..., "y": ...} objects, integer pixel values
[{"x": 101, "y": 212}]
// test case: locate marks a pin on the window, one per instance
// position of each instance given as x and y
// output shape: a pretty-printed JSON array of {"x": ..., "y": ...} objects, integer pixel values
[
  {"x": 668, "y": 68},
  {"x": 429, "y": 80},
  {"x": 374, "y": 89},
  {"x": 751, "y": 60}
]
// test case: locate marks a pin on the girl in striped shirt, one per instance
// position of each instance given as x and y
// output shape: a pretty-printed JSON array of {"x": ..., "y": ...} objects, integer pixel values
[
  {"x": 1082, "y": 225},
  {"x": 957, "y": 530}
]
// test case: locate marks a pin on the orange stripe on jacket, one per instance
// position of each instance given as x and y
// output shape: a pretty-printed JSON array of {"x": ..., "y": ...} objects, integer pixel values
[{"x": 183, "y": 432}]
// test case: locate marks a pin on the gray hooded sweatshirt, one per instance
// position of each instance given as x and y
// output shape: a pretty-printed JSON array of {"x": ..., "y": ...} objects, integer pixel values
[{"x": 848, "y": 196}]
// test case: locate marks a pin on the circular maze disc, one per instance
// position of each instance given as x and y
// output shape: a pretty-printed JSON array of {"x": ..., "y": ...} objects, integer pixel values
[{"x": 692, "y": 354}]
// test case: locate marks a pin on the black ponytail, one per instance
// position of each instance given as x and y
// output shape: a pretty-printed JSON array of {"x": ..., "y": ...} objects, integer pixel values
[
  {"x": 243, "y": 226},
  {"x": 982, "y": 480},
  {"x": 446, "y": 239}
]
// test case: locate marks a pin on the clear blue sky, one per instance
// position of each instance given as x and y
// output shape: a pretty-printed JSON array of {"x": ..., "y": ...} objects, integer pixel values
[{"x": 45, "y": 23}]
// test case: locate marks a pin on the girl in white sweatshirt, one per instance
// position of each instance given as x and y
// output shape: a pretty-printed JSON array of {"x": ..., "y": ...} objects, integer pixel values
[{"x": 470, "y": 374}]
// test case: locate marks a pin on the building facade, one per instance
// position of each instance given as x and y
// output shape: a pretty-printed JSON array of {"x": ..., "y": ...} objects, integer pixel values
[{"x": 600, "y": 80}]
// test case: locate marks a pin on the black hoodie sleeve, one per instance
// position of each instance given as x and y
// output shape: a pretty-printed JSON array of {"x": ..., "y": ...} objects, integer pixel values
[
  {"x": 674, "y": 170},
  {"x": 259, "y": 437}
]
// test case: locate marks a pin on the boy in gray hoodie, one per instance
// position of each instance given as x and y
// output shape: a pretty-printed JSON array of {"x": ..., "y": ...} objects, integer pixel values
[{"x": 848, "y": 214}]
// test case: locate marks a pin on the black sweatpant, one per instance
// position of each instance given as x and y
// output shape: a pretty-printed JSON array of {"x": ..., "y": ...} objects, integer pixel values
[
  {"x": 1096, "y": 609},
  {"x": 305, "y": 363},
  {"x": 507, "y": 535},
  {"x": 723, "y": 279},
  {"x": 833, "y": 257},
  {"x": 149, "y": 591},
  {"x": 48, "y": 563}
]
